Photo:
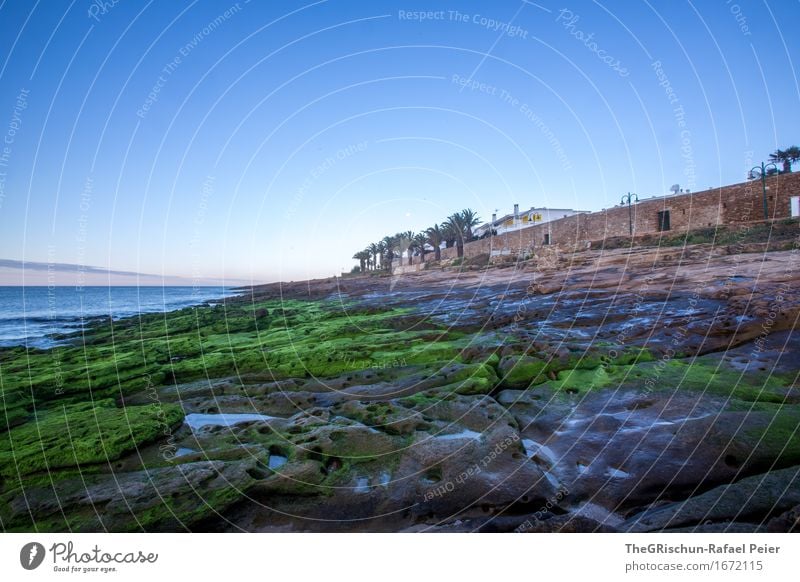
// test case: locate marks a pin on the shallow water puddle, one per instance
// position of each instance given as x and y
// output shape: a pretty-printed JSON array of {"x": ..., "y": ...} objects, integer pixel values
[
  {"x": 198, "y": 421},
  {"x": 276, "y": 461},
  {"x": 464, "y": 434},
  {"x": 616, "y": 473}
]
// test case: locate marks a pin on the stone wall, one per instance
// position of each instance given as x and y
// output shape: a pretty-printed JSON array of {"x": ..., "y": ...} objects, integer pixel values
[{"x": 734, "y": 204}]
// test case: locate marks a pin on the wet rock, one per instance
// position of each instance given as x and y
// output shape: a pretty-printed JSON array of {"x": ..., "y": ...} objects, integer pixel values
[
  {"x": 464, "y": 470},
  {"x": 787, "y": 522},
  {"x": 752, "y": 499},
  {"x": 521, "y": 371},
  {"x": 163, "y": 499},
  {"x": 563, "y": 524}
]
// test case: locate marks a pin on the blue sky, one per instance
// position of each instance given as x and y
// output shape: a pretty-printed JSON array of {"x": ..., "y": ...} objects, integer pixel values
[{"x": 271, "y": 140}]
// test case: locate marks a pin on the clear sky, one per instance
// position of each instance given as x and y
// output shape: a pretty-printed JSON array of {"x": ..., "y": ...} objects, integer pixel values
[{"x": 271, "y": 140}]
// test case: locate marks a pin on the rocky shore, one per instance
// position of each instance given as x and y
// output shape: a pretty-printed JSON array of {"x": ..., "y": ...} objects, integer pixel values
[{"x": 645, "y": 389}]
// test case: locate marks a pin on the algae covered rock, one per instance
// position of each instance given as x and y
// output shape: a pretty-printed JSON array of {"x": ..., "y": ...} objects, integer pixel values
[
  {"x": 521, "y": 371},
  {"x": 163, "y": 499},
  {"x": 83, "y": 434}
]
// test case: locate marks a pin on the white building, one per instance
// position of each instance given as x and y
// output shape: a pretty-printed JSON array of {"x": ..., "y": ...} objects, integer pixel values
[{"x": 523, "y": 219}]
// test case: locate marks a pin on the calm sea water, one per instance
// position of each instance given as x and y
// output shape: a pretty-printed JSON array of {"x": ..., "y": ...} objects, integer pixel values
[{"x": 29, "y": 315}]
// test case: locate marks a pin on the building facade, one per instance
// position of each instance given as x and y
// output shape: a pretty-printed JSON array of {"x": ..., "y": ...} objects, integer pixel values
[
  {"x": 524, "y": 219},
  {"x": 742, "y": 203}
]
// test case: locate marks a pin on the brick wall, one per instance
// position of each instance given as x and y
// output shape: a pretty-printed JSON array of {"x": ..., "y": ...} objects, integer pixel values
[{"x": 734, "y": 204}]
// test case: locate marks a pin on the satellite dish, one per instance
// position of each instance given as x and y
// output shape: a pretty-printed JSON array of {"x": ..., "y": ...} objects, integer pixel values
[{"x": 675, "y": 188}]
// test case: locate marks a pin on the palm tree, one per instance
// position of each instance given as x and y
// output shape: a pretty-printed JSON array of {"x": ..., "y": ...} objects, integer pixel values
[
  {"x": 374, "y": 250},
  {"x": 361, "y": 257},
  {"x": 781, "y": 157},
  {"x": 389, "y": 243},
  {"x": 469, "y": 219},
  {"x": 455, "y": 223},
  {"x": 435, "y": 236},
  {"x": 420, "y": 240},
  {"x": 382, "y": 252},
  {"x": 450, "y": 234},
  {"x": 461, "y": 224},
  {"x": 786, "y": 157},
  {"x": 405, "y": 241},
  {"x": 792, "y": 155}
]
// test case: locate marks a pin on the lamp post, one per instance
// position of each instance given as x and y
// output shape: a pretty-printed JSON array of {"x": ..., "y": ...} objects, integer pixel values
[
  {"x": 627, "y": 200},
  {"x": 761, "y": 172}
]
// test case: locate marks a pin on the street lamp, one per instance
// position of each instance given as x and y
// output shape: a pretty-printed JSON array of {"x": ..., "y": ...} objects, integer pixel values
[
  {"x": 627, "y": 200},
  {"x": 761, "y": 172}
]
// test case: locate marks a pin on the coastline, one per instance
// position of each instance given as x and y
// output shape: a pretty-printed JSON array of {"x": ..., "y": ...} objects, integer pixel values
[
  {"x": 593, "y": 391},
  {"x": 59, "y": 322}
]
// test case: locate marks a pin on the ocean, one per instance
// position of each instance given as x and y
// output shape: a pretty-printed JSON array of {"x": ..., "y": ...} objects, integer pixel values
[{"x": 30, "y": 315}]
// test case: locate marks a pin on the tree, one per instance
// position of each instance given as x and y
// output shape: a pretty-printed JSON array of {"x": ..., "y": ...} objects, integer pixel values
[
  {"x": 780, "y": 157},
  {"x": 455, "y": 223},
  {"x": 470, "y": 219},
  {"x": 792, "y": 154},
  {"x": 460, "y": 224},
  {"x": 361, "y": 257},
  {"x": 405, "y": 242},
  {"x": 435, "y": 236},
  {"x": 374, "y": 250},
  {"x": 420, "y": 240},
  {"x": 449, "y": 234},
  {"x": 786, "y": 157},
  {"x": 382, "y": 252},
  {"x": 390, "y": 243}
]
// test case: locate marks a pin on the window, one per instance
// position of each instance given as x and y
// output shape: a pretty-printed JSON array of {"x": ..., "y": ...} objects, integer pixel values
[
  {"x": 663, "y": 220},
  {"x": 547, "y": 238}
]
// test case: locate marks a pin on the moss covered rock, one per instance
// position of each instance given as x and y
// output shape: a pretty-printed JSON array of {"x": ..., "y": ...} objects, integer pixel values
[{"x": 83, "y": 434}]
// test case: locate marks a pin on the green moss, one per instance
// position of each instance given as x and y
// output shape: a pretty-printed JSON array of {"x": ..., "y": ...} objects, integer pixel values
[
  {"x": 83, "y": 434},
  {"x": 493, "y": 360},
  {"x": 631, "y": 356},
  {"x": 708, "y": 375},
  {"x": 168, "y": 513},
  {"x": 281, "y": 339},
  {"x": 473, "y": 379},
  {"x": 780, "y": 439},
  {"x": 374, "y": 414},
  {"x": 705, "y": 374},
  {"x": 521, "y": 371},
  {"x": 582, "y": 380},
  {"x": 422, "y": 399}
]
